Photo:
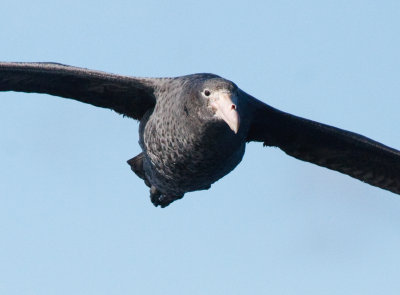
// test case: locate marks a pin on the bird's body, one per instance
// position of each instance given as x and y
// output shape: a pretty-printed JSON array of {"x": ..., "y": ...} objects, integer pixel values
[
  {"x": 185, "y": 148},
  {"x": 193, "y": 129}
]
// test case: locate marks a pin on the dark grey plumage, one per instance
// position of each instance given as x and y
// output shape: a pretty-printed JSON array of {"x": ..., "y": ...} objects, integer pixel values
[{"x": 193, "y": 129}]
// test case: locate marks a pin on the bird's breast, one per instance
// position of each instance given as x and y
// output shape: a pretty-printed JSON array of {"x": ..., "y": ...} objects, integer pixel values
[{"x": 187, "y": 154}]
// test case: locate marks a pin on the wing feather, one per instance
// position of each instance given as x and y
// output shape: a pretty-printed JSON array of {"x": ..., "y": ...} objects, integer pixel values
[
  {"x": 326, "y": 146},
  {"x": 126, "y": 95}
]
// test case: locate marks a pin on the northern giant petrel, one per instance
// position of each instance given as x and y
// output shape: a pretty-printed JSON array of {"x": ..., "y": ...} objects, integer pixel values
[{"x": 193, "y": 129}]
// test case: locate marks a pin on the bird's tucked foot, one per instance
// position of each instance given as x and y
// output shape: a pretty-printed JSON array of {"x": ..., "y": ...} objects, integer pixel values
[
  {"x": 160, "y": 199},
  {"x": 136, "y": 164}
]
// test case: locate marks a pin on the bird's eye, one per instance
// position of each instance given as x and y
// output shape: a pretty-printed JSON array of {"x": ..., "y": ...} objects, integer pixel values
[{"x": 207, "y": 92}]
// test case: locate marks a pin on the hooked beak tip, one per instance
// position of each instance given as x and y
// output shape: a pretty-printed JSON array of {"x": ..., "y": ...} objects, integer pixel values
[{"x": 233, "y": 120}]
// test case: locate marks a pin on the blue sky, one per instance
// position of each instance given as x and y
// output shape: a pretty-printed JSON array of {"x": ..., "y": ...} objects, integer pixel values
[{"x": 75, "y": 220}]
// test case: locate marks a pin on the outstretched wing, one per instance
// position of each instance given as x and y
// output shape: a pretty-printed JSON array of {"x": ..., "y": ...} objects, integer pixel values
[
  {"x": 326, "y": 146},
  {"x": 126, "y": 95}
]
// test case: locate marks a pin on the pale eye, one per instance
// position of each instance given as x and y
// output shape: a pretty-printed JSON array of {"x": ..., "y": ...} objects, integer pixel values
[{"x": 207, "y": 92}]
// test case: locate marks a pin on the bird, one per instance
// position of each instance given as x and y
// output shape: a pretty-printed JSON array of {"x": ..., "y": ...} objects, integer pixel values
[{"x": 193, "y": 129}]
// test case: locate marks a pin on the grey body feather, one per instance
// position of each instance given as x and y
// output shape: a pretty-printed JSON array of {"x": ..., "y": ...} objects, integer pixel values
[{"x": 185, "y": 148}]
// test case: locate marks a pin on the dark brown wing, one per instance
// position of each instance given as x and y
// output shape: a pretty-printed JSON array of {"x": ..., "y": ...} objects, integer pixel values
[
  {"x": 126, "y": 95},
  {"x": 334, "y": 148}
]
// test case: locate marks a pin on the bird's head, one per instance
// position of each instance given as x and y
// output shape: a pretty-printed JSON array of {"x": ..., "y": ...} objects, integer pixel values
[{"x": 219, "y": 99}]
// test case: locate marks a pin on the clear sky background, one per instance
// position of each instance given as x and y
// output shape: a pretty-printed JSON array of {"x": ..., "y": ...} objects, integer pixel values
[{"x": 75, "y": 220}]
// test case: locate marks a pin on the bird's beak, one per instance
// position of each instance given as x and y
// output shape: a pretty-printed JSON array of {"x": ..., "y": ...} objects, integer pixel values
[{"x": 225, "y": 106}]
